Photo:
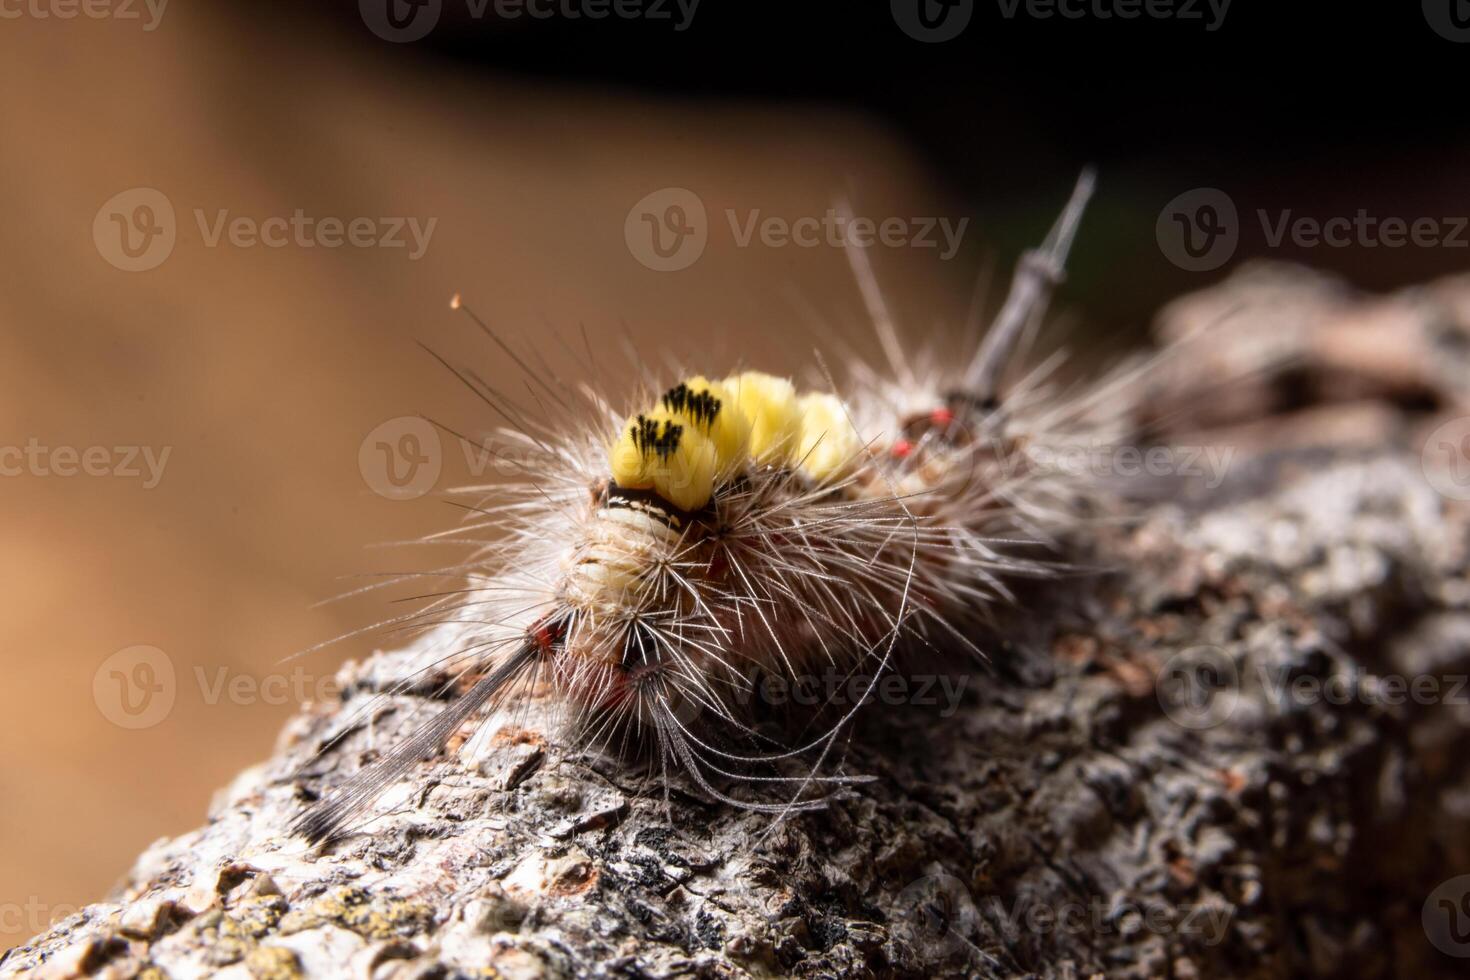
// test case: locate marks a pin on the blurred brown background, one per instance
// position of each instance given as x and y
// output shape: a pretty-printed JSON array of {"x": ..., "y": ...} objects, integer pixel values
[{"x": 261, "y": 371}]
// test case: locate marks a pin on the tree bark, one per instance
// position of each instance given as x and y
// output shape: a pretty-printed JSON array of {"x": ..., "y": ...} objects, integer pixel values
[{"x": 1239, "y": 752}]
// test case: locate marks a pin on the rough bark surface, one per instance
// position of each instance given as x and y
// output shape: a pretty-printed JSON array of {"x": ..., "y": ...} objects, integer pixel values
[{"x": 1197, "y": 764}]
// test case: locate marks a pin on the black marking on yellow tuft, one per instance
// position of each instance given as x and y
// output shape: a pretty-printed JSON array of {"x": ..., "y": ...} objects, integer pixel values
[
  {"x": 701, "y": 407},
  {"x": 649, "y": 439}
]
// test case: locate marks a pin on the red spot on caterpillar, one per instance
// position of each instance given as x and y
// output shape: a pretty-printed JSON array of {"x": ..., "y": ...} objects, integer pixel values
[
  {"x": 941, "y": 416},
  {"x": 902, "y": 448},
  {"x": 547, "y": 635}
]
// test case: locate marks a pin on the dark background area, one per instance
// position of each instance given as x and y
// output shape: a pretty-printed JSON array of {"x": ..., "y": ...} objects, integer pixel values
[{"x": 1322, "y": 109}]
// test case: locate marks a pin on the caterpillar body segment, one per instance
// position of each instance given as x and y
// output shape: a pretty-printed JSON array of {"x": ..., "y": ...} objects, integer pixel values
[{"x": 659, "y": 564}]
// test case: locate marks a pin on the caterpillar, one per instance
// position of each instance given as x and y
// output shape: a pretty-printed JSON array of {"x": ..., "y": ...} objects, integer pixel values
[{"x": 655, "y": 565}]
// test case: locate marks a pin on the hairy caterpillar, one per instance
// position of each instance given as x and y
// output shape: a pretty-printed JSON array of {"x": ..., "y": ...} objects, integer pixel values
[{"x": 657, "y": 564}]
